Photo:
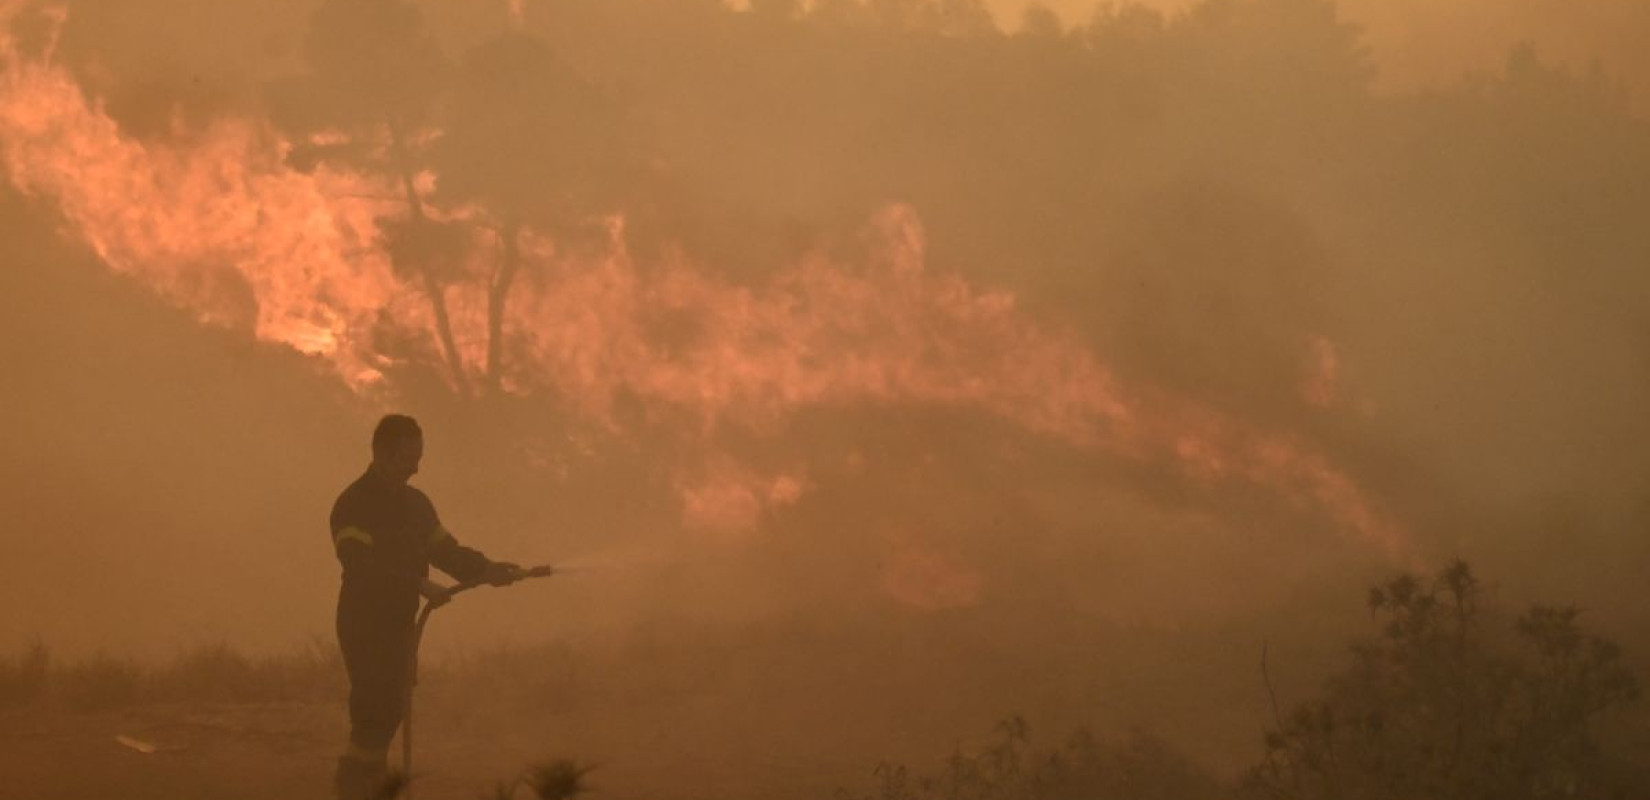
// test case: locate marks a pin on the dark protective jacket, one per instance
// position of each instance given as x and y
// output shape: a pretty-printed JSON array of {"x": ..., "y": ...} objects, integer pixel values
[{"x": 387, "y": 535}]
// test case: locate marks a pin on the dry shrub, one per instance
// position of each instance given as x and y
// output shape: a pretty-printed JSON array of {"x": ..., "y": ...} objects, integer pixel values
[
  {"x": 23, "y": 677},
  {"x": 1009, "y": 767},
  {"x": 99, "y": 683}
]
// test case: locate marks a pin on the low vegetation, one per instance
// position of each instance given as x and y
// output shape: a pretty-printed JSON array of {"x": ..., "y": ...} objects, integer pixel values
[
  {"x": 213, "y": 673},
  {"x": 1456, "y": 699},
  {"x": 1452, "y": 698},
  {"x": 1084, "y": 767},
  {"x": 1449, "y": 696}
]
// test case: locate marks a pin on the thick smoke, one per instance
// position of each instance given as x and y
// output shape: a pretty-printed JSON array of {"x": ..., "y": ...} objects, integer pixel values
[{"x": 1155, "y": 330}]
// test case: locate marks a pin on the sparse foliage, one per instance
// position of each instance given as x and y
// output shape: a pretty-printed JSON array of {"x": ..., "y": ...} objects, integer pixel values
[{"x": 1084, "y": 767}]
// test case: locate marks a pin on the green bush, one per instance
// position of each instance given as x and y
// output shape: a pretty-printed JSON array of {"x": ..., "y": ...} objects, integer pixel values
[{"x": 1454, "y": 700}]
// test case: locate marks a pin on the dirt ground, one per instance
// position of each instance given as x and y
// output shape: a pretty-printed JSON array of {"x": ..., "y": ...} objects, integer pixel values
[
  {"x": 286, "y": 751},
  {"x": 793, "y": 717}
]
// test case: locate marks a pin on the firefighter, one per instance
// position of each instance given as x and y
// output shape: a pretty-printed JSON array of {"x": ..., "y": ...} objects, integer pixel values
[{"x": 386, "y": 534}]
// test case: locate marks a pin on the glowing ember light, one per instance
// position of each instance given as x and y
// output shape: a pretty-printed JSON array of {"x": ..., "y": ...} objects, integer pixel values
[
  {"x": 929, "y": 580},
  {"x": 785, "y": 490},
  {"x": 1322, "y": 382},
  {"x": 727, "y": 501},
  {"x": 818, "y": 334},
  {"x": 222, "y": 227},
  {"x": 218, "y": 226}
]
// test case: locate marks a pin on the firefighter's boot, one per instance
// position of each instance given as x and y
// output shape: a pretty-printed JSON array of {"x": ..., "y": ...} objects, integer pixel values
[{"x": 361, "y": 775}]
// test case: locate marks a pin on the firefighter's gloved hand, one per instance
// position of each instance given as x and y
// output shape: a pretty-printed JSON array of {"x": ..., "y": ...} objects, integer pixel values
[
  {"x": 502, "y": 573},
  {"x": 435, "y": 593}
]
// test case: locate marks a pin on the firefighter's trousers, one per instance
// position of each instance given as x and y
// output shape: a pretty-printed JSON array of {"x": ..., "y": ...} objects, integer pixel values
[{"x": 377, "y": 648}]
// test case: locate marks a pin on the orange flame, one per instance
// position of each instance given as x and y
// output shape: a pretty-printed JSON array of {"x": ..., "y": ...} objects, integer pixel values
[
  {"x": 221, "y": 226},
  {"x": 819, "y": 334},
  {"x": 1321, "y": 385},
  {"x": 728, "y": 500},
  {"x": 927, "y": 579},
  {"x": 217, "y": 226}
]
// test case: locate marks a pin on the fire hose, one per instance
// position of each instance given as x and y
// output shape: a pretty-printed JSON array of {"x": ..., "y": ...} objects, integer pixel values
[{"x": 412, "y": 660}]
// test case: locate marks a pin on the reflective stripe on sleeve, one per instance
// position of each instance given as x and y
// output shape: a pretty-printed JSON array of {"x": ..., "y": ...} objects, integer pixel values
[{"x": 351, "y": 532}]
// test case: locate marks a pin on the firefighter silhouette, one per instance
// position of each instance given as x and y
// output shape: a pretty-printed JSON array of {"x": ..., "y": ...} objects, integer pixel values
[{"x": 387, "y": 535}]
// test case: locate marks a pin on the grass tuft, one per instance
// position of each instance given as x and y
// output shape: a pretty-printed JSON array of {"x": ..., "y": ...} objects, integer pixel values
[
  {"x": 23, "y": 678},
  {"x": 1084, "y": 767},
  {"x": 558, "y": 780},
  {"x": 214, "y": 673}
]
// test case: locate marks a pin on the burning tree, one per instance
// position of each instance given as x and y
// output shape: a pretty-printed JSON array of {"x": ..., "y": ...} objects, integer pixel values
[
  {"x": 509, "y": 140},
  {"x": 1452, "y": 702},
  {"x": 369, "y": 102},
  {"x": 536, "y": 147},
  {"x": 394, "y": 202}
]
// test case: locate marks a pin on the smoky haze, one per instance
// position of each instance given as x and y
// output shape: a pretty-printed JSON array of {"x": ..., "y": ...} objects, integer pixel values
[
  {"x": 961, "y": 371},
  {"x": 1419, "y": 45}
]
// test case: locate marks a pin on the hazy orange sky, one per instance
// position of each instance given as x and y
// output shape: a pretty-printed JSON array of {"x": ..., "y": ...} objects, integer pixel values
[
  {"x": 1417, "y": 43},
  {"x": 985, "y": 294},
  {"x": 1147, "y": 347}
]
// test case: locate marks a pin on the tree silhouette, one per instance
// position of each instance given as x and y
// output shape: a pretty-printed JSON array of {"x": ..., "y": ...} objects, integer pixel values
[
  {"x": 532, "y": 143},
  {"x": 377, "y": 76},
  {"x": 1451, "y": 702}
]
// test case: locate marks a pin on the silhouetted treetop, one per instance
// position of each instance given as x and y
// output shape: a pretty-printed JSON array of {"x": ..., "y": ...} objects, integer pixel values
[{"x": 1450, "y": 701}]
